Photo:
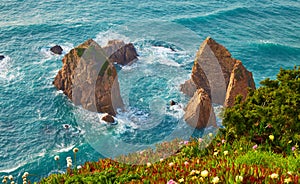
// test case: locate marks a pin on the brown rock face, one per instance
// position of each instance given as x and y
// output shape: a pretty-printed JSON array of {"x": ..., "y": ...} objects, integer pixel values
[
  {"x": 240, "y": 80},
  {"x": 199, "y": 111},
  {"x": 198, "y": 80},
  {"x": 212, "y": 71},
  {"x": 89, "y": 79},
  {"x": 119, "y": 52},
  {"x": 220, "y": 76}
]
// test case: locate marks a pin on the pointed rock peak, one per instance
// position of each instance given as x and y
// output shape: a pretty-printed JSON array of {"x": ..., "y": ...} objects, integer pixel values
[
  {"x": 86, "y": 44},
  {"x": 219, "y": 50},
  {"x": 79, "y": 50}
]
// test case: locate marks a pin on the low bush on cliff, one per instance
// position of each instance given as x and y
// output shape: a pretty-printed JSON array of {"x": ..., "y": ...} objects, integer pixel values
[{"x": 270, "y": 114}]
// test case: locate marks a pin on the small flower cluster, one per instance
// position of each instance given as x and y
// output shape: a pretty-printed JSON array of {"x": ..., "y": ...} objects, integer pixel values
[
  {"x": 69, "y": 162},
  {"x": 7, "y": 178},
  {"x": 24, "y": 177},
  {"x": 11, "y": 178}
]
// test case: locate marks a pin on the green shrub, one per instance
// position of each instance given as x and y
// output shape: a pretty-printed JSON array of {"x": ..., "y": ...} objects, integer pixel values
[{"x": 272, "y": 109}]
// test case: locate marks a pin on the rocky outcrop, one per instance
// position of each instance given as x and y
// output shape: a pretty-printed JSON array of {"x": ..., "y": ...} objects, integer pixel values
[
  {"x": 213, "y": 71},
  {"x": 108, "y": 118},
  {"x": 119, "y": 52},
  {"x": 240, "y": 80},
  {"x": 56, "y": 49},
  {"x": 199, "y": 111},
  {"x": 216, "y": 78},
  {"x": 2, "y": 57},
  {"x": 89, "y": 79}
]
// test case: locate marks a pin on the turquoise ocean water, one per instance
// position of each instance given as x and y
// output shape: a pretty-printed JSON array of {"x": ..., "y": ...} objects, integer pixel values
[{"x": 264, "y": 35}]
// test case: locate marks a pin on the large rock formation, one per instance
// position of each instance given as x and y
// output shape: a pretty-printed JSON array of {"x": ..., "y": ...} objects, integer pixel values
[
  {"x": 199, "y": 111},
  {"x": 89, "y": 79},
  {"x": 119, "y": 52},
  {"x": 213, "y": 71},
  {"x": 216, "y": 78}
]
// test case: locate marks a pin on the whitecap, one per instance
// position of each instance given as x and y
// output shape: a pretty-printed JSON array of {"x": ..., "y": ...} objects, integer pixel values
[
  {"x": 176, "y": 111},
  {"x": 155, "y": 54},
  {"x": 130, "y": 67},
  {"x": 12, "y": 169},
  {"x": 42, "y": 153},
  {"x": 6, "y": 72},
  {"x": 102, "y": 38},
  {"x": 63, "y": 148},
  {"x": 58, "y": 92}
]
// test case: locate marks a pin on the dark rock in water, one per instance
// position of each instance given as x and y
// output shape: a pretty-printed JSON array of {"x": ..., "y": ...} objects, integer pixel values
[
  {"x": 66, "y": 126},
  {"x": 119, "y": 52},
  {"x": 108, "y": 118},
  {"x": 56, "y": 49},
  {"x": 1, "y": 57},
  {"x": 199, "y": 111},
  {"x": 89, "y": 79},
  {"x": 173, "y": 103}
]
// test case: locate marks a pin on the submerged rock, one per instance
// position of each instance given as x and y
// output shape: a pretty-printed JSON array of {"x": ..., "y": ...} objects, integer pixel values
[
  {"x": 89, "y": 79},
  {"x": 119, "y": 52},
  {"x": 56, "y": 49},
  {"x": 2, "y": 57},
  {"x": 199, "y": 111}
]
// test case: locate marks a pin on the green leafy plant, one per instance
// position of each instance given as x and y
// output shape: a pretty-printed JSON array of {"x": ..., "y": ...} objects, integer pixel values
[{"x": 273, "y": 109}]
